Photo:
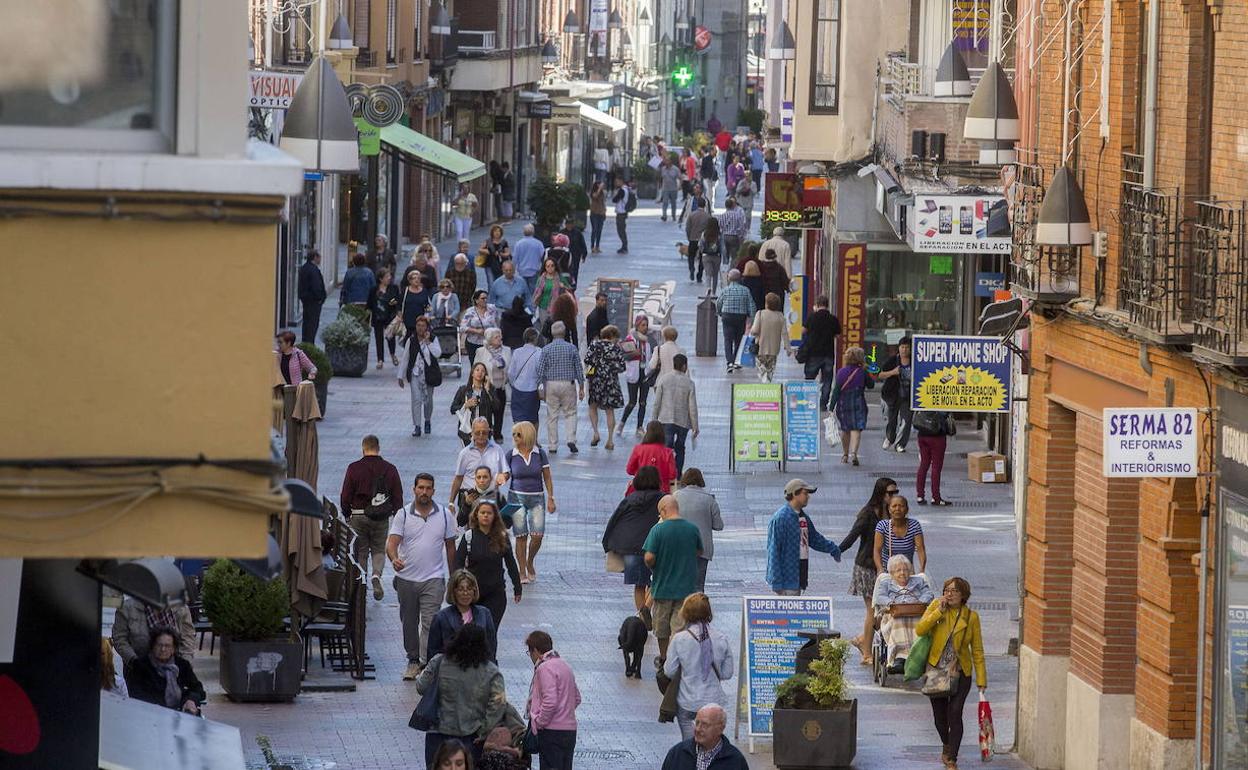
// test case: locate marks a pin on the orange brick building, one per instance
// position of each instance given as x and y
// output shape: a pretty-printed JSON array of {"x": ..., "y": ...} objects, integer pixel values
[{"x": 1153, "y": 314}]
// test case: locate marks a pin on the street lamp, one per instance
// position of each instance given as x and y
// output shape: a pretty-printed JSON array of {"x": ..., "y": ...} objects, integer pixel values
[
  {"x": 340, "y": 36},
  {"x": 320, "y": 130},
  {"x": 549, "y": 54},
  {"x": 992, "y": 117},
  {"x": 571, "y": 23},
  {"x": 615, "y": 20},
  {"x": 441, "y": 22},
  {"x": 644, "y": 16},
  {"x": 783, "y": 46}
]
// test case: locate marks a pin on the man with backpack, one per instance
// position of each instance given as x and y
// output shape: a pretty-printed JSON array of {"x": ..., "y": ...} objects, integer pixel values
[
  {"x": 371, "y": 493},
  {"x": 625, "y": 201}
]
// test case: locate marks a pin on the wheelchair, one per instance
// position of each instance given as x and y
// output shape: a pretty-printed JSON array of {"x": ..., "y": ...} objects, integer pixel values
[{"x": 879, "y": 645}]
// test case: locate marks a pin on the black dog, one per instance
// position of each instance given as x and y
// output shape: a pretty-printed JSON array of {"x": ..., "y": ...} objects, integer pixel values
[{"x": 633, "y": 636}]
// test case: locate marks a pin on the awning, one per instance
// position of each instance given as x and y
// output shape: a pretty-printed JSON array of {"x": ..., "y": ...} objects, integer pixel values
[
  {"x": 420, "y": 150},
  {"x": 576, "y": 113},
  {"x": 640, "y": 94}
]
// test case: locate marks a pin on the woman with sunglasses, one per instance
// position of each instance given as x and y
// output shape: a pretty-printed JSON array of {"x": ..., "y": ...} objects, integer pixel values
[{"x": 863, "y": 581}]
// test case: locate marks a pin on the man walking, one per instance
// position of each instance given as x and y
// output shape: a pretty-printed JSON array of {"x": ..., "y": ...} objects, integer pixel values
[
  {"x": 731, "y": 229},
  {"x": 421, "y": 547},
  {"x": 553, "y": 698},
  {"x": 312, "y": 294},
  {"x": 464, "y": 209},
  {"x": 559, "y": 373},
  {"x": 624, "y": 203},
  {"x": 700, "y": 508},
  {"x": 597, "y": 319},
  {"x": 819, "y": 339},
  {"x": 480, "y": 452},
  {"x": 507, "y": 287},
  {"x": 695, "y": 225},
  {"x": 669, "y": 184},
  {"x": 527, "y": 254},
  {"x": 790, "y": 536},
  {"x": 371, "y": 493},
  {"x": 676, "y": 406},
  {"x": 709, "y": 748},
  {"x": 779, "y": 245},
  {"x": 672, "y": 549},
  {"x": 736, "y": 307}
]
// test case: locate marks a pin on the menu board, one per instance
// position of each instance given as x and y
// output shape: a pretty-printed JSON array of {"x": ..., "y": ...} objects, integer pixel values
[
  {"x": 770, "y": 627},
  {"x": 757, "y": 422},
  {"x": 620, "y": 295},
  {"x": 801, "y": 421}
]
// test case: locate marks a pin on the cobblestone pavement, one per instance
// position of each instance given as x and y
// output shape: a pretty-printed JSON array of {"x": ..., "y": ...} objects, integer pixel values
[{"x": 582, "y": 607}]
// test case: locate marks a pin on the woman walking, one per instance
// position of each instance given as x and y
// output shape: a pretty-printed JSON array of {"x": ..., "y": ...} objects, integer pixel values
[
  {"x": 484, "y": 488},
  {"x": 703, "y": 658},
  {"x": 496, "y": 251},
  {"x": 862, "y": 583},
  {"x": 895, "y": 394},
  {"x": 653, "y": 450},
  {"x": 528, "y": 469},
  {"x": 957, "y": 646},
  {"x": 473, "y": 399},
  {"x": 464, "y": 608},
  {"x": 485, "y": 550},
  {"x": 604, "y": 363},
  {"x": 638, "y": 346},
  {"x": 415, "y": 301},
  {"x": 547, "y": 286},
  {"x": 422, "y": 352},
  {"x": 934, "y": 429},
  {"x": 444, "y": 309},
  {"x": 849, "y": 400},
  {"x": 597, "y": 216},
  {"x": 472, "y": 697},
  {"x": 385, "y": 305},
  {"x": 769, "y": 329},
  {"x": 710, "y": 249},
  {"x": 563, "y": 309},
  {"x": 495, "y": 357},
  {"x": 899, "y": 534},
  {"x": 474, "y": 322},
  {"x": 627, "y": 530}
]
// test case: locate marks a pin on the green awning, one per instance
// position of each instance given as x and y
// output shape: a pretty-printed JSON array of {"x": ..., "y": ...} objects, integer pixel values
[{"x": 422, "y": 151}]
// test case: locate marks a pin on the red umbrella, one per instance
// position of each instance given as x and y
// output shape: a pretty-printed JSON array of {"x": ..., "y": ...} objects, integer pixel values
[{"x": 987, "y": 736}]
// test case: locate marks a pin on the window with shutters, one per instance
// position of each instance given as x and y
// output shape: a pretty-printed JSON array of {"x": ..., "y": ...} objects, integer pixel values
[
  {"x": 825, "y": 63},
  {"x": 359, "y": 24},
  {"x": 418, "y": 20},
  {"x": 392, "y": 31}
]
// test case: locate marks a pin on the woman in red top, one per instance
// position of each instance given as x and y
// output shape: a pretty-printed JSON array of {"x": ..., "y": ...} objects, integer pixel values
[{"x": 653, "y": 450}]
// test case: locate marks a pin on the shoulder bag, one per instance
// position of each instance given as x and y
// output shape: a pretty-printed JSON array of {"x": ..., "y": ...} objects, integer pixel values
[
  {"x": 428, "y": 710},
  {"x": 433, "y": 371},
  {"x": 941, "y": 680},
  {"x": 395, "y": 327}
]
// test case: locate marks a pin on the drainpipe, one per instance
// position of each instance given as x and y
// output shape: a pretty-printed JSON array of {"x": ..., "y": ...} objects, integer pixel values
[{"x": 1150, "y": 100}]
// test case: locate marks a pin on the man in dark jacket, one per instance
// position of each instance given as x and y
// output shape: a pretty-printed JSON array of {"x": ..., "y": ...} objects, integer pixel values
[
  {"x": 821, "y": 331},
  {"x": 708, "y": 744},
  {"x": 578, "y": 247},
  {"x": 311, "y": 294},
  {"x": 371, "y": 493},
  {"x": 597, "y": 318}
]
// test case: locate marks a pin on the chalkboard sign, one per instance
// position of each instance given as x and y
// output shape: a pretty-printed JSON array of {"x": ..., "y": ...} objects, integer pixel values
[{"x": 620, "y": 292}]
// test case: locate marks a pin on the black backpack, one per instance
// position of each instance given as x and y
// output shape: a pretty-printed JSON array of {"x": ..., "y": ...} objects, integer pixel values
[
  {"x": 380, "y": 507},
  {"x": 630, "y": 203}
]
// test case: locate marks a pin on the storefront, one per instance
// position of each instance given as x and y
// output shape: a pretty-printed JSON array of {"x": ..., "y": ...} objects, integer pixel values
[{"x": 1230, "y": 664}]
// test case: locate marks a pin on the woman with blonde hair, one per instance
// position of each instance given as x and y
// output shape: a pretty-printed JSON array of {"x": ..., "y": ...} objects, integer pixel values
[
  {"x": 849, "y": 400},
  {"x": 769, "y": 334},
  {"x": 704, "y": 659},
  {"x": 485, "y": 550},
  {"x": 528, "y": 470}
]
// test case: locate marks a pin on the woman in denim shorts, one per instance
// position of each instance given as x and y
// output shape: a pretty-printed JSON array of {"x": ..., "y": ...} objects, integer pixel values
[{"x": 528, "y": 469}]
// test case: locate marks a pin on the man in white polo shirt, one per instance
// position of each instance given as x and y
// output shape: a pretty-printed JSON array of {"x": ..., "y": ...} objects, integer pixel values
[
  {"x": 421, "y": 548},
  {"x": 481, "y": 451}
]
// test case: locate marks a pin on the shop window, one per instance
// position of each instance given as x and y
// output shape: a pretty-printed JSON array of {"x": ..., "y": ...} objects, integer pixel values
[
  {"x": 1231, "y": 665},
  {"x": 910, "y": 293},
  {"x": 825, "y": 64}
]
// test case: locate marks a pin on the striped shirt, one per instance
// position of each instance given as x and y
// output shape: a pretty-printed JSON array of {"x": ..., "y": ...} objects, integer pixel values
[
  {"x": 732, "y": 222},
  {"x": 735, "y": 299},
  {"x": 898, "y": 544}
]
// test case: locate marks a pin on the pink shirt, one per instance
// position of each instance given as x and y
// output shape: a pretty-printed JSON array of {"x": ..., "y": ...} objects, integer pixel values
[{"x": 553, "y": 696}]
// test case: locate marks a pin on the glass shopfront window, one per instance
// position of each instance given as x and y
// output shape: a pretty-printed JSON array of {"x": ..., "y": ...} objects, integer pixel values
[
  {"x": 1232, "y": 664},
  {"x": 910, "y": 293}
]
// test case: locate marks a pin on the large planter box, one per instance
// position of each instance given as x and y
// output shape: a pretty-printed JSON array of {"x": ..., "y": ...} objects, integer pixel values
[
  {"x": 815, "y": 739},
  {"x": 322, "y": 394},
  {"x": 348, "y": 362},
  {"x": 261, "y": 672}
]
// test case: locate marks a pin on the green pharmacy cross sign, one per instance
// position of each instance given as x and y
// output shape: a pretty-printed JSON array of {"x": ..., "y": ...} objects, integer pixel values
[{"x": 683, "y": 75}]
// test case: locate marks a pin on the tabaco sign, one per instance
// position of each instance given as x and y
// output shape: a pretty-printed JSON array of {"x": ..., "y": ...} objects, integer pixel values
[{"x": 851, "y": 293}]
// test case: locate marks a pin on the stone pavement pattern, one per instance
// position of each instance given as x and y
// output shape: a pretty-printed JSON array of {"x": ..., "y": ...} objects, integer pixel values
[{"x": 582, "y": 607}]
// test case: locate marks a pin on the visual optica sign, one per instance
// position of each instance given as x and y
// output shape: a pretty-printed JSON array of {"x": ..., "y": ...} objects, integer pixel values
[
  {"x": 960, "y": 374},
  {"x": 1150, "y": 442}
]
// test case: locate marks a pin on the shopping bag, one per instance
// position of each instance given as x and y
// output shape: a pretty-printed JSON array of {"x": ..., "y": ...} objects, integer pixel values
[
  {"x": 987, "y": 736},
  {"x": 654, "y": 162},
  {"x": 746, "y": 355},
  {"x": 916, "y": 661},
  {"x": 832, "y": 429}
]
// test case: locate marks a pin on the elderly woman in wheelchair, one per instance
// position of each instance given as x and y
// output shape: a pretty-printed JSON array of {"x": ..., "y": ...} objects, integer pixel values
[{"x": 898, "y": 602}]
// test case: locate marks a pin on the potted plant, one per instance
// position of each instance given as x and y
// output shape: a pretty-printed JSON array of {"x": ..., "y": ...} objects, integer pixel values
[
  {"x": 548, "y": 200},
  {"x": 815, "y": 723},
  {"x": 360, "y": 313},
  {"x": 346, "y": 344},
  {"x": 645, "y": 179},
  {"x": 324, "y": 372},
  {"x": 578, "y": 202},
  {"x": 259, "y": 663}
]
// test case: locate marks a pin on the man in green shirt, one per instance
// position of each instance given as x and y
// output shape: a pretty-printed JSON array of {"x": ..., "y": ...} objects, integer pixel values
[{"x": 672, "y": 550}]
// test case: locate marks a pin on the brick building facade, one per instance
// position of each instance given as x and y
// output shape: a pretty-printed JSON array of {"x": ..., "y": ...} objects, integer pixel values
[{"x": 1109, "y": 664}]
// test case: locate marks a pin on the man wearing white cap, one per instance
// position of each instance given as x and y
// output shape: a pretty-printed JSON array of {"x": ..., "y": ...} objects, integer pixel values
[{"x": 790, "y": 536}]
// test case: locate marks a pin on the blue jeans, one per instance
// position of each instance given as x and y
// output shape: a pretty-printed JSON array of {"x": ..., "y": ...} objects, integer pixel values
[
  {"x": 676, "y": 436},
  {"x": 668, "y": 198},
  {"x": 596, "y": 221},
  {"x": 531, "y": 518}
]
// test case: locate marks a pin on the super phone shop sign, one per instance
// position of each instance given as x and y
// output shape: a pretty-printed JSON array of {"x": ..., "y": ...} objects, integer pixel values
[{"x": 1147, "y": 443}]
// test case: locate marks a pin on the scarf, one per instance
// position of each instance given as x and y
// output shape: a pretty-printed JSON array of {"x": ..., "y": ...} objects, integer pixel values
[
  {"x": 706, "y": 650},
  {"x": 173, "y": 691}
]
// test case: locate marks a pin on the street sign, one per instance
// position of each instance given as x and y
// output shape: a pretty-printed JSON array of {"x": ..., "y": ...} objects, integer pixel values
[
  {"x": 1150, "y": 442},
  {"x": 960, "y": 374},
  {"x": 770, "y": 628}
]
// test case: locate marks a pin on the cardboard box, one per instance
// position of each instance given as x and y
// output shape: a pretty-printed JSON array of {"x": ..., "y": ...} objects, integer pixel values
[{"x": 986, "y": 467}]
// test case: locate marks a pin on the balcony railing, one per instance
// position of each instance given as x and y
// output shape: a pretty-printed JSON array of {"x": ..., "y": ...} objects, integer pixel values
[
  {"x": 1041, "y": 273},
  {"x": 366, "y": 59},
  {"x": 903, "y": 78},
  {"x": 1154, "y": 274},
  {"x": 1220, "y": 282},
  {"x": 477, "y": 42}
]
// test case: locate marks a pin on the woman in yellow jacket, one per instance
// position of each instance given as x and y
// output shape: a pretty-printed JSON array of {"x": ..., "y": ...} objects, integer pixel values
[{"x": 944, "y": 616}]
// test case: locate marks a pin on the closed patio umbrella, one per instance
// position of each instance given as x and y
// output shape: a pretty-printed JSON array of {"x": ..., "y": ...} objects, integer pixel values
[{"x": 301, "y": 542}]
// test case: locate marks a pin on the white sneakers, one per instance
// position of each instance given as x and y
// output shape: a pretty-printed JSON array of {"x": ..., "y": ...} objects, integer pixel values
[{"x": 887, "y": 444}]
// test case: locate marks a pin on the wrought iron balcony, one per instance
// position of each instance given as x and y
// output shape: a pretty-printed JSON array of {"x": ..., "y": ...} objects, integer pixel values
[
  {"x": 1044, "y": 274},
  {"x": 1154, "y": 272},
  {"x": 366, "y": 59},
  {"x": 1220, "y": 282}
]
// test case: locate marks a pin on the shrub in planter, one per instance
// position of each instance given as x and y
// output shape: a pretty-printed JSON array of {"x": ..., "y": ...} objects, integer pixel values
[
  {"x": 324, "y": 371},
  {"x": 357, "y": 312},
  {"x": 259, "y": 663},
  {"x": 346, "y": 344},
  {"x": 578, "y": 202},
  {"x": 815, "y": 723}
]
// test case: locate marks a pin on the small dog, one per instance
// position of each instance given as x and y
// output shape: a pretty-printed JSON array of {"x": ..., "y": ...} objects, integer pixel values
[{"x": 633, "y": 636}]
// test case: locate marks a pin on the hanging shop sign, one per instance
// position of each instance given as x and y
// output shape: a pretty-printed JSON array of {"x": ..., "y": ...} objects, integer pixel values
[
  {"x": 960, "y": 374},
  {"x": 988, "y": 284},
  {"x": 781, "y": 192},
  {"x": 485, "y": 124},
  {"x": 803, "y": 219},
  {"x": 502, "y": 124},
  {"x": 771, "y": 628},
  {"x": 271, "y": 90},
  {"x": 757, "y": 423},
  {"x": 1150, "y": 442},
  {"x": 851, "y": 293},
  {"x": 959, "y": 224},
  {"x": 540, "y": 110},
  {"x": 370, "y": 137},
  {"x": 701, "y": 38},
  {"x": 1230, "y": 729}
]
